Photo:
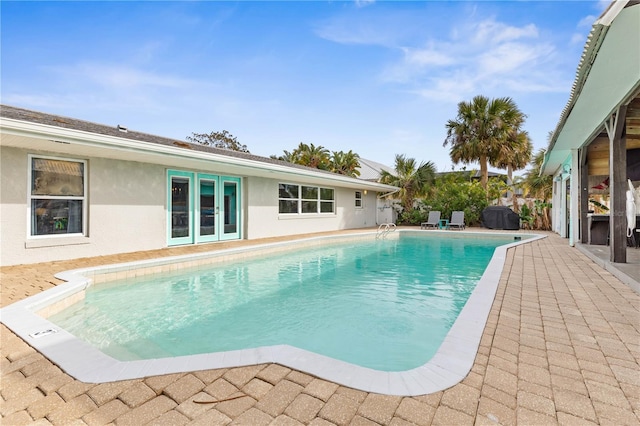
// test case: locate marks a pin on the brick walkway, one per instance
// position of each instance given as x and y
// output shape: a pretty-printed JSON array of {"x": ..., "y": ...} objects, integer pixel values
[{"x": 562, "y": 346}]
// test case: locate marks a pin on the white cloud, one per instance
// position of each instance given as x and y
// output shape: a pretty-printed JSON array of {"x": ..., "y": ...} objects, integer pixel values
[
  {"x": 473, "y": 56},
  {"x": 146, "y": 52},
  {"x": 577, "y": 39},
  {"x": 510, "y": 57},
  {"x": 369, "y": 26},
  {"x": 120, "y": 77},
  {"x": 603, "y": 4},
  {"x": 490, "y": 31},
  {"x": 364, "y": 3},
  {"x": 45, "y": 102},
  {"x": 448, "y": 87},
  {"x": 344, "y": 32},
  {"x": 582, "y": 29},
  {"x": 587, "y": 21},
  {"x": 488, "y": 56},
  {"x": 428, "y": 56},
  {"x": 106, "y": 87}
]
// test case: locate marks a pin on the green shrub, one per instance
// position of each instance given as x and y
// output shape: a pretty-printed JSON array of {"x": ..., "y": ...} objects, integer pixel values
[
  {"x": 536, "y": 215},
  {"x": 412, "y": 217},
  {"x": 454, "y": 192},
  {"x": 526, "y": 217}
]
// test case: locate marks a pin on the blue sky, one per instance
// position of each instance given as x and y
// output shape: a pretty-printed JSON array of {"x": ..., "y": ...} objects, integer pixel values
[{"x": 377, "y": 77}]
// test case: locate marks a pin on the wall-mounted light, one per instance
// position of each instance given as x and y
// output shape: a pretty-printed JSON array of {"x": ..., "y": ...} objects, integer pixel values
[
  {"x": 365, "y": 192},
  {"x": 566, "y": 168}
]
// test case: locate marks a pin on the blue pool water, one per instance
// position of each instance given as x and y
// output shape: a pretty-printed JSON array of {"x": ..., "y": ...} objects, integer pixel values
[{"x": 385, "y": 305}]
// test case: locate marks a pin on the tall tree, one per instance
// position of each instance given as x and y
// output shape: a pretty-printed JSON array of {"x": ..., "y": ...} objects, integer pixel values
[
  {"x": 307, "y": 155},
  {"x": 223, "y": 140},
  {"x": 539, "y": 187},
  {"x": 289, "y": 157},
  {"x": 312, "y": 156},
  {"x": 479, "y": 129},
  {"x": 536, "y": 185},
  {"x": 345, "y": 163},
  {"x": 514, "y": 154},
  {"x": 413, "y": 179}
]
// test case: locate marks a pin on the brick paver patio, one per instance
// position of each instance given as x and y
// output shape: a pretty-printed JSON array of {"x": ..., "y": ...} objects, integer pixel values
[{"x": 562, "y": 346}]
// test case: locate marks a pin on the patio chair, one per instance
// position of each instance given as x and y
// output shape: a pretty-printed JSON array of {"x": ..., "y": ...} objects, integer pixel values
[
  {"x": 457, "y": 220},
  {"x": 433, "y": 220}
]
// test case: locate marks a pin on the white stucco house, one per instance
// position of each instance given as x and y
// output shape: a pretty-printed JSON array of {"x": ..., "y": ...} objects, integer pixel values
[
  {"x": 71, "y": 188},
  {"x": 595, "y": 149}
]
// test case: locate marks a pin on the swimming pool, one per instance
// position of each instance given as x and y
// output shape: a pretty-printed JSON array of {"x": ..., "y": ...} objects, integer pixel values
[{"x": 366, "y": 354}]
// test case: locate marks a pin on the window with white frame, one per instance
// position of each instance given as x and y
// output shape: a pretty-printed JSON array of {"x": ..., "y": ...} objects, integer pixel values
[
  {"x": 57, "y": 196},
  {"x": 327, "y": 201},
  {"x": 358, "y": 199},
  {"x": 303, "y": 199}
]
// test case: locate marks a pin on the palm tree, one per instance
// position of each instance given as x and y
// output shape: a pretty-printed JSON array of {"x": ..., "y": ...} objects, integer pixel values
[
  {"x": 312, "y": 156},
  {"x": 539, "y": 187},
  {"x": 480, "y": 129},
  {"x": 536, "y": 185},
  {"x": 289, "y": 157},
  {"x": 514, "y": 154},
  {"x": 345, "y": 163},
  {"x": 413, "y": 180}
]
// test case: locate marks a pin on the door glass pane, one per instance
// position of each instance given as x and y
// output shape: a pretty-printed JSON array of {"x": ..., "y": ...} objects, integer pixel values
[
  {"x": 230, "y": 207},
  {"x": 179, "y": 207},
  {"x": 207, "y": 207}
]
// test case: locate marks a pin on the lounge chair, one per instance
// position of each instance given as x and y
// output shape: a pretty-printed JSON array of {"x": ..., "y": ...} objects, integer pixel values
[
  {"x": 457, "y": 220},
  {"x": 432, "y": 220}
]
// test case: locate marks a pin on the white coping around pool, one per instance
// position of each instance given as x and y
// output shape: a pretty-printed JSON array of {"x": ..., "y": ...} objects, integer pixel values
[{"x": 451, "y": 363}]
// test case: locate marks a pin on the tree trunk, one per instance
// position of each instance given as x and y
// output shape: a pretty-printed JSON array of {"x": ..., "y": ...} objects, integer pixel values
[
  {"x": 407, "y": 202},
  {"x": 484, "y": 172},
  {"x": 547, "y": 219},
  {"x": 514, "y": 199}
]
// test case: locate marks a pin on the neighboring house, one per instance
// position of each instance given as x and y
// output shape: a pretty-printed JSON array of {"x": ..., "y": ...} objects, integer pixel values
[
  {"x": 72, "y": 189},
  {"x": 371, "y": 170},
  {"x": 595, "y": 147}
]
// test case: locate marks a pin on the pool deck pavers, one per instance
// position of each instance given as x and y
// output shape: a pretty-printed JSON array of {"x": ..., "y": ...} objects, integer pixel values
[{"x": 561, "y": 346}]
